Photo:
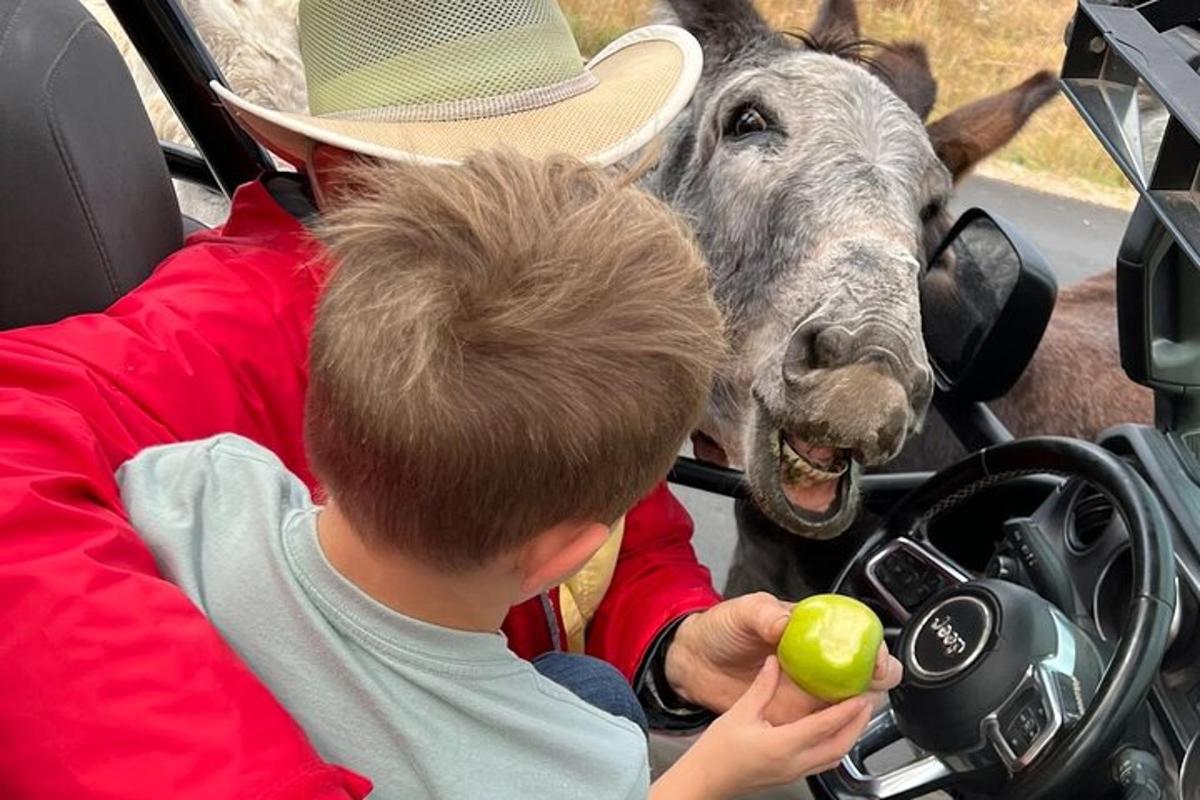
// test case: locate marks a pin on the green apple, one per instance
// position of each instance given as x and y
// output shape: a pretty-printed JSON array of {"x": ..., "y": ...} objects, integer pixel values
[{"x": 830, "y": 645}]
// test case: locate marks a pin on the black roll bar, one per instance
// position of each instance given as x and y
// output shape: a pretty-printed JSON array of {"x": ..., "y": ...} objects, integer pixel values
[
  {"x": 187, "y": 164},
  {"x": 166, "y": 41},
  {"x": 880, "y": 492}
]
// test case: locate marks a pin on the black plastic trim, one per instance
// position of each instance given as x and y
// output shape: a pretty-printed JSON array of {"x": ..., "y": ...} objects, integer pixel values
[
  {"x": 166, "y": 41},
  {"x": 1009, "y": 346},
  {"x": 973, "y": 424},
  {"x": 187, "y": 164}
]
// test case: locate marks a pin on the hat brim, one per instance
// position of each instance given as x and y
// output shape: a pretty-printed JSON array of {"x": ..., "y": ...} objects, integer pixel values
[{"x": 643, "y": 80}]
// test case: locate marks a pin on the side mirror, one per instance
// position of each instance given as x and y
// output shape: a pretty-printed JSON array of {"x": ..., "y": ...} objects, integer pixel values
[{"x": 986, "y": 298}]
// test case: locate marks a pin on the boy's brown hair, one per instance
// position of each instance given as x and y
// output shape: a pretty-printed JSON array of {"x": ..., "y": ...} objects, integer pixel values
[{"x": 503, "y": 346}]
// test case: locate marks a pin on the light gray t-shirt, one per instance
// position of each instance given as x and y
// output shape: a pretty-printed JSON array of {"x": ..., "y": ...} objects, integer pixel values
[{"x": 421, "y": 710}]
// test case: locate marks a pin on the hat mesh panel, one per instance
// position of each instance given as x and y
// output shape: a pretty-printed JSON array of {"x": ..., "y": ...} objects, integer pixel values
[
  {"x": 625, "y": 99},
  {"x": 363, "y": 54}
]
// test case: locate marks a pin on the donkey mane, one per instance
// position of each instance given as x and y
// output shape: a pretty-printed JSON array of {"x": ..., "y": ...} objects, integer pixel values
[
  {"x": 903, "y": 66},
  {"x": 857, "y": 50}
]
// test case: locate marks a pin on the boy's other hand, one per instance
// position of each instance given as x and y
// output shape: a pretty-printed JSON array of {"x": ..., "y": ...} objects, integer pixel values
[
  {"x": 717, "y": 654},
  {"x": 742, "y": 750}
]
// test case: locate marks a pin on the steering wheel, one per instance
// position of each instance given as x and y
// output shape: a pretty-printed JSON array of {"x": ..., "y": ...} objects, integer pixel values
[{"x": 1003, "y": 695}]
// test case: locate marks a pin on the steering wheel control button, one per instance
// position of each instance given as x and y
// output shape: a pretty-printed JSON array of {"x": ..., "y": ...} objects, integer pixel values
[
  {"x": 1023, "y": 722},
  {"x": 950, "y": 637},
  {"x": 1028, "y": 720},
  {"x": 907, "y": 576}
]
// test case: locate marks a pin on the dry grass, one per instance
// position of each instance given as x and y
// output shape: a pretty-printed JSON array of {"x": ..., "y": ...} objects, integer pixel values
[{"x": 976, "y": 47}]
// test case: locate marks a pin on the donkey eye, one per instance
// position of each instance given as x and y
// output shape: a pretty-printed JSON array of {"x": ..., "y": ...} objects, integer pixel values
[
  {"x": 745, "y": 121},
  {"x": 932, "y": 210}
]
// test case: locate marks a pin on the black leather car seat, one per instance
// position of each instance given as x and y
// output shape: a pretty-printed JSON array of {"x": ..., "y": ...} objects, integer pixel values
[{"x": 86, "y": 205}]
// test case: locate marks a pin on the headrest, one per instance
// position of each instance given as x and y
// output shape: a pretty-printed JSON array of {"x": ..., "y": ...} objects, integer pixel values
[{"x": 86, "y": 205}]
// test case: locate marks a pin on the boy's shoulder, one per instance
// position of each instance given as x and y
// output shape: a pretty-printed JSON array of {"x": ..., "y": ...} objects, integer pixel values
[
  {"x": 221, "y": 447},
  {"x": 202, "y": 507},
  {"x": 219, "y": 474}
]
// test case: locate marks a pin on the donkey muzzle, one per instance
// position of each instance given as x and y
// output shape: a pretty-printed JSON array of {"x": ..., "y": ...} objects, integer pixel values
[
  {"x": 860, "y": 407},
  {"x": 882, "y": 341}
]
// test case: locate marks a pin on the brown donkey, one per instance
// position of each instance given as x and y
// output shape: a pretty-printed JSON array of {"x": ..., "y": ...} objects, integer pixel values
[{"x": 1075, "y": 385}]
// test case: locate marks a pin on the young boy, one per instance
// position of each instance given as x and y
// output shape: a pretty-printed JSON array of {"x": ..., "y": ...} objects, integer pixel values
[{"x": 507, "y": 356}]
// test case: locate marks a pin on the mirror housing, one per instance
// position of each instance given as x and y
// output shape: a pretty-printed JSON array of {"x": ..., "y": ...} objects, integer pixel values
[
  {"x": 986, "y": 298},
  {"x": 1158, "y": 292}
]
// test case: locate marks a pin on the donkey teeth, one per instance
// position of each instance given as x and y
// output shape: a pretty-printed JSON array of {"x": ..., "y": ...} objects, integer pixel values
[{"x": 798, "y": 469}]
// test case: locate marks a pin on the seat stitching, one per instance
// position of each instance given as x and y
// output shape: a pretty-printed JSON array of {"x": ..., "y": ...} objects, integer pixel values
[
  {"x": 68, "y": 163},
  {"x": 12, "y": 23}
]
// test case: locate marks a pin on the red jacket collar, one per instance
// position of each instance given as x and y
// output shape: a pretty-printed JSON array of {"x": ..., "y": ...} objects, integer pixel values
[{"x": 256, "y": 215}]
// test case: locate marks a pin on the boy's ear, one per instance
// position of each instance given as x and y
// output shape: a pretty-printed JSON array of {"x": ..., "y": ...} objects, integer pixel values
[
  {"x": 329, "y": 173},
  {"x": 556, "y": 554}
]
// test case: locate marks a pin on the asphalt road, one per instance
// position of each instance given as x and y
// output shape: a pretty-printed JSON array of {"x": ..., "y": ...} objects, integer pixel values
[{"x": 1077, "y": 239}]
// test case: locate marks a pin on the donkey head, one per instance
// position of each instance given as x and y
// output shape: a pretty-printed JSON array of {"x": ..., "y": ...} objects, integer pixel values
[{"x": 815, "y": 189}]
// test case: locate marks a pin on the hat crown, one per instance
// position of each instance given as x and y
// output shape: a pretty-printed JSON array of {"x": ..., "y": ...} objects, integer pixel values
[{"x": 443, "y": 56}]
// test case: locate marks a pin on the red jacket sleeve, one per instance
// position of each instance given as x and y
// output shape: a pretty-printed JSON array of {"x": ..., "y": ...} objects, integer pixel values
[
  {"x": 657, "y": 579},
  {"x": 114, "y": 684}
]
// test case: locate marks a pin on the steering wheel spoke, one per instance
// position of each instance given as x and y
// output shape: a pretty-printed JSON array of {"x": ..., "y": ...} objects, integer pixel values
[
  {"x": 906, "y": 572},
  {"x": 880, "y": 732},
  {"x": 1041, "y": 706},
  {"x": 852, "y": 778}
]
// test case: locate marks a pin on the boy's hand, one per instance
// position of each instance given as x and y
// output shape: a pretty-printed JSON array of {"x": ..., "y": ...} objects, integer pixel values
[
  {"x": 717, "y": 653},
  {"x": 742, "y": 751}
]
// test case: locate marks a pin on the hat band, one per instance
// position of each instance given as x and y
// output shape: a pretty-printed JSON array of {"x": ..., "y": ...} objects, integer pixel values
[{"x": 475, "y": 107}]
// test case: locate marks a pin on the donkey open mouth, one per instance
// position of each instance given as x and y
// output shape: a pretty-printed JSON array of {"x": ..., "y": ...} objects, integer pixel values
[
  {"x": 811, "y": 475},
  {"x": 813, "y": 478}
]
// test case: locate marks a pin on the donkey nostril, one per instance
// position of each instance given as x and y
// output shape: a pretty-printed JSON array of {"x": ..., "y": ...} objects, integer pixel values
[
  {"x": 831, "y": 347},
  {"x": 816, "y": 346},
  {"x": 801, "y": 353}
]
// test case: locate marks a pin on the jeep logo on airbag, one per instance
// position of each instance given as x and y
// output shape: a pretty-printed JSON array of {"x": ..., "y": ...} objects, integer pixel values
[{"x": 950, "y": 637}]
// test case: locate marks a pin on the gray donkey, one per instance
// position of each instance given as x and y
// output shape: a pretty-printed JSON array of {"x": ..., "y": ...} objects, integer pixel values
[{"x": 815, "y": 189}]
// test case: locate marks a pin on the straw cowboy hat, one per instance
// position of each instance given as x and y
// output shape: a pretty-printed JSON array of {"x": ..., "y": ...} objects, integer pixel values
[{"x": 434, "y": 80}]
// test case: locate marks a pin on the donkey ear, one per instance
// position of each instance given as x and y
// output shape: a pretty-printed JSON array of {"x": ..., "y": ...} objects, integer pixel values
[
  {"x": 722, "y": 27},
  {"x": 904, "y": 67},
  {"x": 837, "y": 22},
  {"x": 969, "y": 134},
  {"x": 661, "y": 13}
]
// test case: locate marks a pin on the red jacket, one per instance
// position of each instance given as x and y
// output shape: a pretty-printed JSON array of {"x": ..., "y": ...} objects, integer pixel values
[{"x": 112, "y": 684}]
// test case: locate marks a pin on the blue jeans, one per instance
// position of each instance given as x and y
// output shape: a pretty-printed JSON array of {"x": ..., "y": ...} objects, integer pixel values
[{"x": 595, "y": 682}]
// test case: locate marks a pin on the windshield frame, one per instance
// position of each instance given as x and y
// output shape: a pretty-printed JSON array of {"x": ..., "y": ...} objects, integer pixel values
[
  {"x": 166, "y": 41},
  {"x": 1128, "y": 74}
]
